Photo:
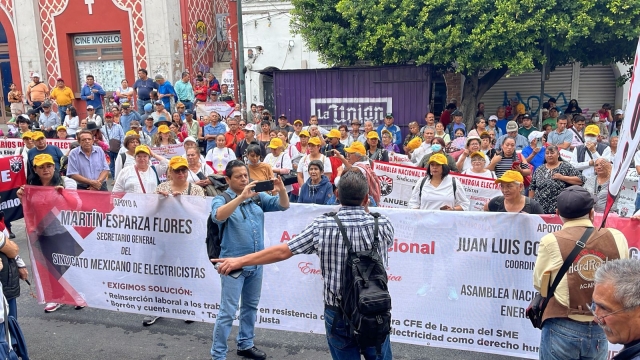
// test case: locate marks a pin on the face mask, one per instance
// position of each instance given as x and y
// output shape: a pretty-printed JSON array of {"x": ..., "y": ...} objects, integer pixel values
[
  {"x": 591, "y": 139},
  {"x": 436, "y": 147}
]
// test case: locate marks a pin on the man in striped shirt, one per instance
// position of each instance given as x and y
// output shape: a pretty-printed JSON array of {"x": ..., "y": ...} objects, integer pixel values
[{"x": 322, "y": 237}]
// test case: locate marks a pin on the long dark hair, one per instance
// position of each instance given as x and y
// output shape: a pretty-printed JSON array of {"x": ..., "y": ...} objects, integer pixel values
[
  {"x": 445, "y": 171},
  {"x": 72, "y": 111},
  {"x": 34, "y": 179}
]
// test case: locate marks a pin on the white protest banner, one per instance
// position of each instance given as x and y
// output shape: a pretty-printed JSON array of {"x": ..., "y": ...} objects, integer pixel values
[
  {"x": 626, "y": 200},
  {"x": 458, "y": 280},
  {"x": 9, "y": 146},
  {"x": 220, "y": 107},
  {"x": 227, "y": 78},
  {"x": 167, "y": 151},
  {"x": 566, "y": 155},
  {"x": 397, "y": 182},
  {"x": 400, "y": 159}
]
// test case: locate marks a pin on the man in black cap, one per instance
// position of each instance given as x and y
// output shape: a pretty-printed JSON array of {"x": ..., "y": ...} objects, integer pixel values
[
  {"x": 456, "y": 124},
  {"x": 49, "y": 120},
  {"x": 568, "y": 325}
]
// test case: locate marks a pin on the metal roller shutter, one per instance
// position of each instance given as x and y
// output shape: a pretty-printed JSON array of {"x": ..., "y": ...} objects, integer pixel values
[
  {"x": 526, "y": 87},
  {"x": 597, "y": 86}
]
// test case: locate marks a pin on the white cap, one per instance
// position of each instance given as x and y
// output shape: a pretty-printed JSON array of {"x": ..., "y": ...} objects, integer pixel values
[
  {"x": 535, "y": 135},
  {"x": 493, "y": 117},
  {"x": 35, "y": 75},
  {"x": 250, "y": 127},
  {"x": 236, "y": 113},
  {"x": 260, "y": 104},
  {"x": 189, "y": 138},
  {"x": 619, "y": 112}
]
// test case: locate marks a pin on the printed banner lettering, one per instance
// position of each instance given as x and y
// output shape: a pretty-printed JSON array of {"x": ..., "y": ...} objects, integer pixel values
[
  {"x": 8, "y": 147},
  {"x": 397, "y": 183},
  {"x": 458, "y": 280},
  {"x": 12, "y": 176},
  {"x": 220, "y": 107},
  {"x": 331, "y": 111}
]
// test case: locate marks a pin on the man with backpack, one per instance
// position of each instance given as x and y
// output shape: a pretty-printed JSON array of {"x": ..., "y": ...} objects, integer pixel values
[
  {"x": 239, "y": 215},
  {"x": 352, "y": 325}
]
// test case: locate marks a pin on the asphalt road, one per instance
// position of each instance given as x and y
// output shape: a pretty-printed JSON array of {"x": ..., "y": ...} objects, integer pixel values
[{"x": 94, "y": 334}]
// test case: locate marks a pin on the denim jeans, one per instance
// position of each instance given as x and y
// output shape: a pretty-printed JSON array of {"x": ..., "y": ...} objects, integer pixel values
[
  {"x": 637, "y": 204},
  {"x": 564, "y": 339},
  {"x": 62, "y": 112},
  {"x": 249, "y": 286},
  {"x": 141, "y": 103},
  {"x": 100, "y": 112},
  {"x": 112, "y": 165},
  {"x": 343, "y": 347},
  {"x": 188, "y": 105}
]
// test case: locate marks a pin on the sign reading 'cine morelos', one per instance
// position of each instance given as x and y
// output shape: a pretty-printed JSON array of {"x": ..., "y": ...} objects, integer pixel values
[
  {"x": 97, "y": 39},
  {"x": 343, "y": 110}
]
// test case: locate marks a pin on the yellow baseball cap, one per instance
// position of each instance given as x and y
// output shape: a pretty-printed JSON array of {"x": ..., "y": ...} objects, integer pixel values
[
  {"x": 27, "y": 134},
  {"x": 304, "y": 133},
  {"x": 334, "y": 133},
  {"x": 510, "y": 176},
  {"x": 142, "y": 148},
  {"x": 298, "y": 121},
  {"x": 37, "y": 135},
  {"x": 42, "y": 159},
  {"x": 315, "y": 141},
  {"x": 385, "y": 131},
  {"x": 163, "y": 129},
  {"x": 275, "y": 143},
  {"x": 414, "y": 143},
  {"x": 131, "y": 133},
  {"x": 61, "y": 127},
  {"x": 356, "y": 147},
  {"x": 477, "y": 153},
  {"x": 177, "y": 162},
  {"x": 592, "y": 130},
  {"x": 373, "y": 135},
  {"x": 438, "y": 159}
]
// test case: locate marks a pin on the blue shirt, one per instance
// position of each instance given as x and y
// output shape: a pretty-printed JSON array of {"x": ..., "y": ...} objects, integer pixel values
[
  {"x": 113, "y": 132},
  {"x": 395, "y": 131},
  {"x": 558, "y": 139},
  {"x": 244, "y": 230},
  {"x": 126, "y": 119},
  {"x": 167, "y": 88},
  {"x": 144, "y": 88},
  {"x": 502, "y": 125},
  {"x": 54, "y": 151},
  {"x": 89, "y": 167},
  {"x": 151, "y": 132},
  {"x": 538, "y": 159},
  {"x": 96, "y": 102},
  {"x": 213, "y": 130},
  {"x": 49, "y": 121}
]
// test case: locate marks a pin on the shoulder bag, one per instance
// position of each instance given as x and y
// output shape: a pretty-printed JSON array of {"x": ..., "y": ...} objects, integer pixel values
[{"x": 539, "y": 303}]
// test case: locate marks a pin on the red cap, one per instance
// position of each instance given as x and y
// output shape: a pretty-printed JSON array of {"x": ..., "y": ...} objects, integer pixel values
[
  {"x": 108, "y": 115},
  {"x": 60, "y": 79}
]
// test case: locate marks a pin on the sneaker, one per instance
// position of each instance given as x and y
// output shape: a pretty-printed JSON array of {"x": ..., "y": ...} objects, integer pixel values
[
  {"x": 252, "y": 353},
  {"x": 80, "y": 307},
  {"x": 51, "y": 307},
  {"x": 149, "y": 320}
]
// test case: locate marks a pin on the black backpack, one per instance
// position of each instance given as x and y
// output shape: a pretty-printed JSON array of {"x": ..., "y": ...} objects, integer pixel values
[
  {"x": 365, "y": 301},
  {"x": 214, "y": 233}
]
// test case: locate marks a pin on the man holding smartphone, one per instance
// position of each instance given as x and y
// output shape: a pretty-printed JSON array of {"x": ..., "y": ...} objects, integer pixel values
[{"x": 241, "y": 223}]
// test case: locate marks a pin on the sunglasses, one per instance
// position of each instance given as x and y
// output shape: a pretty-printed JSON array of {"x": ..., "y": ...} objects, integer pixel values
[{"x": 181, "y": 171}]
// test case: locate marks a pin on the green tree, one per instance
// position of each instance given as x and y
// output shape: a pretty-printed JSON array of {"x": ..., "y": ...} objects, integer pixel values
[{"x": 481, "y": 39}]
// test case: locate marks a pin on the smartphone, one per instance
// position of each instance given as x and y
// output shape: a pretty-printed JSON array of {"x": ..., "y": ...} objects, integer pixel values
[
  {"x": 234, "y": 274},
  {"x": 263, "y": 186},
  {"x": 329, "y": 153},
  {"x": 516, "y": 164},
  {"x": 539, "y": 143}
]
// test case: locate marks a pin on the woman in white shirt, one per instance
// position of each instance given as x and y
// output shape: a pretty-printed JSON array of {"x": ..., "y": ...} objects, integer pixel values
[
  {"x": 314, "y": 154},
  {"x": 126, "y": 157},
  {"x": 279, "y": 159},
  {"x": 218, "y": 157},
  {"x": 437, "y": 190},
  {"x": 478, "y": 166},
  {"x": 472, "y": 146},
  {"x": 124, "y": 92},
  {"x": 72, "y": 121},
  {"x": 198, "y": 171},
  {"x": 142, "y": 177}
]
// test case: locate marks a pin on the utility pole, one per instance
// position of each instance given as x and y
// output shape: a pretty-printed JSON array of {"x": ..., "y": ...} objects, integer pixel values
[{"x": 240, "y": 56}]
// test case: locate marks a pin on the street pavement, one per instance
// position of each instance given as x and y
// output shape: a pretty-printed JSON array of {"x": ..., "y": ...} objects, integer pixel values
[{"x": 94, "y": 334}]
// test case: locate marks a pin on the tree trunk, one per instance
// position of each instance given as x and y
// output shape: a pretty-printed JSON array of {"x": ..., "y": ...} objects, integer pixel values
[{"x": 474, "y": 88}]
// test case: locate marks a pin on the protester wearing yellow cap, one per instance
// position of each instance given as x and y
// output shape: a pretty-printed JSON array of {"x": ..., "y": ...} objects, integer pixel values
[
  {"x": 584, "y": 156},
  {"x": 280, "y": 161},
  {"x": 478, "y": 160},
  {"x": 164, "y": 137},
  {"x": 37, "y": 135},
  {"x": 28, "y": 135},
  {"x": 374, "y": 148},
  {"x": 387, "y": 142},
  {"x": 356, "y": 156},
  {"x": 356, "y": 148},
  {"x": 138, "y": 176},
  {"x": 42, "y": 159},
  {"x": 473, "y": 144},
  {"x": 62, "y": 134},
  {"x": 177, "y": 183},
  {"x": 314, "y": 146},
  {"x": 333, "y": 143},
  {"x": 438, "y": 190},
  {"x": 126, "y": 157},
  {"x": 41, "y": 147},
  {"x": 512, "y": 200}
]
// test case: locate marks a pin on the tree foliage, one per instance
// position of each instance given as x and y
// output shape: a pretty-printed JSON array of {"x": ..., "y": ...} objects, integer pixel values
[{"x": 470, "y": 36}]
